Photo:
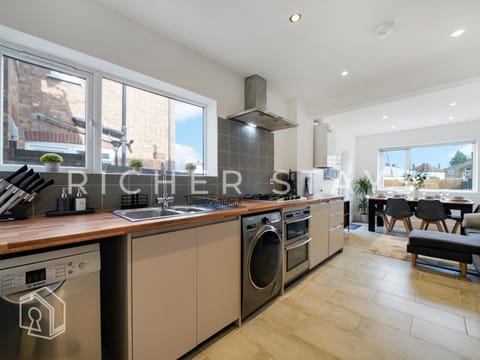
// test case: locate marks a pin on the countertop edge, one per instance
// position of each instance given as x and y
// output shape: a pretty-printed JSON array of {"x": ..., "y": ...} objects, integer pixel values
[{"x": 19, "y": 236}]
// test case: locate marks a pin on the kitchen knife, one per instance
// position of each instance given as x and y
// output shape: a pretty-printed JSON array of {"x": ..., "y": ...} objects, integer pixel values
[
  {"x": 5, "y": 182},
  {"x": 34, "y": 184},
  {"x": 21, "y": 195},
  {"x": 14, "y": 191},
  {"x": 13, "y": 186}
]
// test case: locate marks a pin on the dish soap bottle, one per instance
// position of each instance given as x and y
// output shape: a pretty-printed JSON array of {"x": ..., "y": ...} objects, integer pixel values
[
  {"x": 80, "y": 201},
  {"x": 63, "y": 202}
]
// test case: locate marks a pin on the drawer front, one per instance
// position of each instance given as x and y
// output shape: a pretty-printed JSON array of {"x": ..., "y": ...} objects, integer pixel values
[
  {"x": 335, "y": 240},
  {"x": 336, "y": 206},
  {"x": 335, "y": 220}
]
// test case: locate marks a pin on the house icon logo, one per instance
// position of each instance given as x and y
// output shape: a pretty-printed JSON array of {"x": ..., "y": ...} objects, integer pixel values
[{"x": 42, "y": 313}]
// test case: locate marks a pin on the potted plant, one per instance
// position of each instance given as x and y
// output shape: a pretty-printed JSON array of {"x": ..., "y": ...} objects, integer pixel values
[
  {"x": 363, "y": 188},
  {"x": 52, "y": 161},
  {"x": 417, "y": 181},
  {"x": 136, "y": 165},
  {"x": 190, "y": 167}
]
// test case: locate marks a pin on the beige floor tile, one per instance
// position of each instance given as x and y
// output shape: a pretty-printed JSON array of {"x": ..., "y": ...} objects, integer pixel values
[
  {"x": 233, "y": 346},
  {"x": 421, "y": 311},
  {"x": 347, "y": 286},
  {"x": 461, "y": 344},
  {"x": 387, "y": 287},
  {"x": 282, "y": 345},
  {"x": 402, "y": 279},
  {"x": 336, "y": 315},
  {"x": 347, "y": 270},
  {"x": 473, "y": 327},
  {"x": 461, "y": 309},
  {"x": 283, "y": 316},
  {"x": 380, "y": 313},
  {"x": 452, "y": 280},
  {"x": 340, "y": 343},
  {"x": 400, "y": 342}
]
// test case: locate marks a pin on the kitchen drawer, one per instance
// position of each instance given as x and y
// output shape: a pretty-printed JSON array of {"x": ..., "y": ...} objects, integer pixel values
[
  {"x": 335, "y": 220},
  {"x": 336, "y": 207},
  {"x": 335, "y": 240}
]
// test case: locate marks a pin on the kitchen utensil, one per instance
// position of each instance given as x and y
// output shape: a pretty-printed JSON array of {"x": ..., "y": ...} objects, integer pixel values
[
  {"x": 14, "y": 185},
  {"x": 34, "y": 185},
  {"x": 5, "y": 182},
  {"x": 22, "y": 195}
]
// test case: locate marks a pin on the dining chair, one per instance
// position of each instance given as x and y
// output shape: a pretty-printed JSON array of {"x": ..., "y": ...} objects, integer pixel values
[
  {"x": 398, "y": 209},
  {"x": 431, "y": 212},
  {"x": 381, "y": 213}
]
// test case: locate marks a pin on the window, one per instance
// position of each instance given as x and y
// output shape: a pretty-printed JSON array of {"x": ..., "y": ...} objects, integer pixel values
[
  {"x": 447, "y": 166},
  {"x": 41, "y": 105},
  {"x": 143, "y": 125},
  {"x": 99, "y": 116}
]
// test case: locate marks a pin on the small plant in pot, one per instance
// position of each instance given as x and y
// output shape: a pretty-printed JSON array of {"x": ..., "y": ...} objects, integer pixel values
[
  {"x": 52, "y": 161},
  {"x": 363, "y": 188},
  {"x": 190, "y": 167},
  {"x": 136, "y": 165}
]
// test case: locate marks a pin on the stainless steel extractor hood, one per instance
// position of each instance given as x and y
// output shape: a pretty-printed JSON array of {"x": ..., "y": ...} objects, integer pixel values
[{"x": 255, "y": 112}]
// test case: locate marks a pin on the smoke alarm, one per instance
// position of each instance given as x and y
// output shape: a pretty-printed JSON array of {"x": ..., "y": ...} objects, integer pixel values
[{"x": 384, "y": 29}]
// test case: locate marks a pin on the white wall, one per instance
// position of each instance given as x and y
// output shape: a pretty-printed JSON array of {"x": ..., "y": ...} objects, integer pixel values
[
  {"x": 294, "y": 147},
  {"x": 367, "y": 146},
  {"x": 95, "y": 30}
]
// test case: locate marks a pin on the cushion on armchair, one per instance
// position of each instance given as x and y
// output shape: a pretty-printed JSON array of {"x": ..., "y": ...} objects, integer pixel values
[{"x": 471, "y": 220}]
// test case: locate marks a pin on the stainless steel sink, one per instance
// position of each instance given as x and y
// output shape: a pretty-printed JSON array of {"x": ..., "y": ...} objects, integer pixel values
[
  {"x": 157, "y": 212},
  {"x": 188, "y": 209}
]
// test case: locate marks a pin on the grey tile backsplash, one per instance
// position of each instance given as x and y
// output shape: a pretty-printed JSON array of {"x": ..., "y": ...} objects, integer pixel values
[{"x": 240, "y": 147}]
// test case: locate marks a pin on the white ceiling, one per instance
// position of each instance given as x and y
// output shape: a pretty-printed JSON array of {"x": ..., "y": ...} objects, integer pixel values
[
  {"x": 423, "y": 110},
  {"x": 303, "y": 61}
]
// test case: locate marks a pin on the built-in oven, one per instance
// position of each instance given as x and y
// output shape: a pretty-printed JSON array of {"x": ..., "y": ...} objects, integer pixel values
[{"x": 296, "y": 224}]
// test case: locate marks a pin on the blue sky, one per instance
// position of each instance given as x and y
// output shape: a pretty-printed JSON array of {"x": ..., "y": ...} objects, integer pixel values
[
  {"x": 433, "y": 155},
  {"x": 188, "y": 133}
]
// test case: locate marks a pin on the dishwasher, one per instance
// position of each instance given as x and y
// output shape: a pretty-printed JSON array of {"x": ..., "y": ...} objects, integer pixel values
[{"x": 50, "y": 305}]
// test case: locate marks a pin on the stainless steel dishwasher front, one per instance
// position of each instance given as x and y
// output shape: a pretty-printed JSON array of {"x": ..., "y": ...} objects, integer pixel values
[{"x": 50, "y": 305}]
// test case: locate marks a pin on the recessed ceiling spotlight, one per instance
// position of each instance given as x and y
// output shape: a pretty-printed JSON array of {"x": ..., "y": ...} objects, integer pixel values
[
  {"x": 457, "y": 33},
  {"x": 295, "y": 17},
  {"x": 384, "y": 29},
  {"x": 451, "y": 118},
  {"x": 384, "y": 117},
  {"x": 344, "y": 73},
  {"x": 453, "y": 104},
  {"x": 393, "y": 127}
]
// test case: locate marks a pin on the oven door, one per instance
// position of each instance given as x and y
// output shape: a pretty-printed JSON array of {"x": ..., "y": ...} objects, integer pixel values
[
  {"x": 297, "y": 259},
  {"x": 296, "y": 229}
]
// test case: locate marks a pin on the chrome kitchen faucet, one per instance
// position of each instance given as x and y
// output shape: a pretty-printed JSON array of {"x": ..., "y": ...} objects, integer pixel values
[{"x": 165, "y": 199}]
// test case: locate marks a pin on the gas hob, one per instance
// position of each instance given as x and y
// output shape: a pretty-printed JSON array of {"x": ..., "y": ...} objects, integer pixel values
[{"x": 273, "y": 197}]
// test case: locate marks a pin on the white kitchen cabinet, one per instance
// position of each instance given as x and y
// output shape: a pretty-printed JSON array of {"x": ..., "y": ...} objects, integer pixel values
[
  {"x": 335, "y": 224},
  {"x": 164, "y": 295},
  {"x": 319, "y": 226},
  {"x": 218, "y": 277},
  {"x": 185, "y": 288}
]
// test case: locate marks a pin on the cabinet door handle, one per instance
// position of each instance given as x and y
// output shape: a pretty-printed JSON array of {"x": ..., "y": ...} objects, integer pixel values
[{"x": 297, "y": 245}]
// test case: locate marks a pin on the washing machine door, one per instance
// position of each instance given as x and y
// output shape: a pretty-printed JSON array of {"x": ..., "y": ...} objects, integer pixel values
[{"x": 265, "y": 260}]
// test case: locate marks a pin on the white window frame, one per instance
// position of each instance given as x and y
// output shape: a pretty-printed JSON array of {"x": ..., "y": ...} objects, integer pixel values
[
  {"x": 53, "y": 55},
  {"x": 70, "y": 70},
  {"x": 156, "y": 91},
  {"x": 380, "y": 163}
]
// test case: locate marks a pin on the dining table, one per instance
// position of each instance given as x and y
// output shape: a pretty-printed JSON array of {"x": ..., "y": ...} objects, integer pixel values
[{"x": 376, "y": 202}]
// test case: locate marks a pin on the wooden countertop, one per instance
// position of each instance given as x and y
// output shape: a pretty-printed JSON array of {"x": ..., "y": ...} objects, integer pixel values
[{"x": 43, "y": 232}]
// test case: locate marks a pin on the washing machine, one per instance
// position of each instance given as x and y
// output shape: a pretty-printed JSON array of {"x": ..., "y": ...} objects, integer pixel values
[{"x": 262, "y": 258}]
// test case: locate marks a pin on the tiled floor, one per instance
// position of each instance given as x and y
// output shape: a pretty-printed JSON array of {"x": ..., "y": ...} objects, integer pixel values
[{"x": 362, "y": 306}]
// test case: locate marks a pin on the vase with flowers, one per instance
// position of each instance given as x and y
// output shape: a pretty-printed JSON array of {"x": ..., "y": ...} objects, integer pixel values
[{"x": 417, "y": 181}]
